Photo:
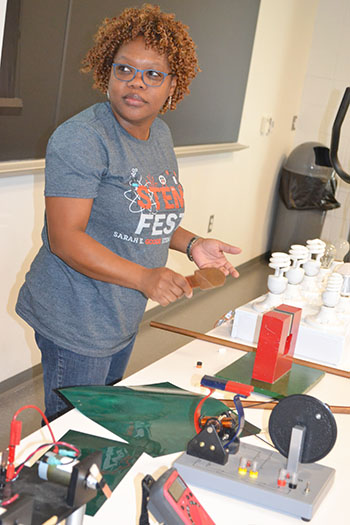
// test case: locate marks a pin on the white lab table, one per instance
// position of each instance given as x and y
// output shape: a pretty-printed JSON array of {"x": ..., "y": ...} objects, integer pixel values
[{"x": 179, "y": 367}]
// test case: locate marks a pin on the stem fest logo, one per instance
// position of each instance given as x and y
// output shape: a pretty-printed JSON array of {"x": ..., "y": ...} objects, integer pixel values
[
  {"x": 153, "y": 195},
  {"x": 149, "y": 198}
]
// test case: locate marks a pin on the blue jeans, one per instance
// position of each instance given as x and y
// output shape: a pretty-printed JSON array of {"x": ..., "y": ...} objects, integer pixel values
[{"x": 62, "y": 368}]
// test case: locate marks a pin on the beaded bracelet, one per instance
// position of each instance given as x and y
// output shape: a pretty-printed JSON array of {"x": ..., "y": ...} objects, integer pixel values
[{"x": 190, "y": 246}]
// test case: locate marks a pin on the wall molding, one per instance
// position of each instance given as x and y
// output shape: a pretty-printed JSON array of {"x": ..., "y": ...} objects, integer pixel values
[
  {"x": 34, "y": 166},
  {"x": 22, "y": 167}
]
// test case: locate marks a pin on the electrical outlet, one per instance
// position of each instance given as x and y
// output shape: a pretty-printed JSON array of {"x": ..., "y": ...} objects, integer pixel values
[
  {"x": 266, "y": 126},
  {"x": 210, "y": 223}
]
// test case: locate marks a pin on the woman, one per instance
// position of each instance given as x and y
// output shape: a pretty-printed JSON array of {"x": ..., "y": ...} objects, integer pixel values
[{"x": 113, "y": 208}]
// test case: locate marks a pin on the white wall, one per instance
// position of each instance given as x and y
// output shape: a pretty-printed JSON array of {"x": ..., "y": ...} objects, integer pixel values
[
  {"x": 21, "y": 218},
  {"x": 237, "y": 188},
  {"x": 2, "y": 22},
  {"x": 328, "y": 74}
]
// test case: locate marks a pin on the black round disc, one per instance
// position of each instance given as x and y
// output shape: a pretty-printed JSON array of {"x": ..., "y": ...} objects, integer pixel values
[{"x": 309, "y": 412}]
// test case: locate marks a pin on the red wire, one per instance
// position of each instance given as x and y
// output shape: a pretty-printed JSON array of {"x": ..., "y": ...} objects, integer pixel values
[
  {"x": 40, "y": 412},
  {"x": 197, "y": 412},
  {"x": 54, "y": 442},
  {"x": 10, "y": 500}
]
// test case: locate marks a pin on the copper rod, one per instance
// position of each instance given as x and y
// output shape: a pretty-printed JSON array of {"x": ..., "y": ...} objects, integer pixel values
[
  {"x": 269, "y": 405},
  {"x": 203, "y": 337},
  {"x": 245, "y": 348}
]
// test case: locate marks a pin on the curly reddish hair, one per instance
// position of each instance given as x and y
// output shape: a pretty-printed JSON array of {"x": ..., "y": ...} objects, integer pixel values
[{"x": 161, "y": 32}]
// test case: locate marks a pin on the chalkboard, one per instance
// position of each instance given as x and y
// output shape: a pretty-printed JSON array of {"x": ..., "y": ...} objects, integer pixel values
[{"x": 54, "y": 37}]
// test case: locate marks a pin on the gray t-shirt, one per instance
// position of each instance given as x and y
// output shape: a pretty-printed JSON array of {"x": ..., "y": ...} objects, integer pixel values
[{"x": 138, "y": 204}]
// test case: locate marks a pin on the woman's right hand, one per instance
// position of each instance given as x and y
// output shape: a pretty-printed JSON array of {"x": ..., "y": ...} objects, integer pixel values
[{"x": 164, "y": 285}]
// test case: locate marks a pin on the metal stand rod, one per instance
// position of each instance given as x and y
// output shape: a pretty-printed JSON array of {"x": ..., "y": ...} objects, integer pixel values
[
  {"x": 77, "y": 517},
  {"x": 295, "y": 450}
]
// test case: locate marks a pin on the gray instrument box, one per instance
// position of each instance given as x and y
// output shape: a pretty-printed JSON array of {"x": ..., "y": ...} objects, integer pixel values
[{"x": 313, "y": 481}]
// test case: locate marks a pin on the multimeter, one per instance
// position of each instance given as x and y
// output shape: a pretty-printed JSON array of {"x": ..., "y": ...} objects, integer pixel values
[{"x": 172, "y": 502}]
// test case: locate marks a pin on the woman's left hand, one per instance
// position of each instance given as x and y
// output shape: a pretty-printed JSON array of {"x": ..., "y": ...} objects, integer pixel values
[{"x": 210, "y": 253}]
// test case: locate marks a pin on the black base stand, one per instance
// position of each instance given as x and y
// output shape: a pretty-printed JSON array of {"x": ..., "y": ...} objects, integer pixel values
[{"x": 208, "y": 445}]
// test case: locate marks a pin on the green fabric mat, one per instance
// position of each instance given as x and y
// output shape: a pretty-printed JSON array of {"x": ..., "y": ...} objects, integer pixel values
[
  {"x": 158, "y": 422},
  {"x": 117, "y": 460},
  {"x": 297, "y": 381}
]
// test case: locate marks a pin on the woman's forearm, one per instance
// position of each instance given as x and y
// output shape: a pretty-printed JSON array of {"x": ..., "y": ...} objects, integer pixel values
[{"x": 180, "y": 239}]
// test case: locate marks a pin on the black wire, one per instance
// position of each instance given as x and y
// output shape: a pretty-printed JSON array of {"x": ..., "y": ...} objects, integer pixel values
[{"x": 264, "y": 440}]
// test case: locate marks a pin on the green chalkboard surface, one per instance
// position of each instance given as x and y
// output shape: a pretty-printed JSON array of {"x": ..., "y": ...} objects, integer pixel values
[{"x": 54, "y": 37}]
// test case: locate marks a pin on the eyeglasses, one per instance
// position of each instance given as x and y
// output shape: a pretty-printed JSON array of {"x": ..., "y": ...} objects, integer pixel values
[{"x": 150, "y": 77}]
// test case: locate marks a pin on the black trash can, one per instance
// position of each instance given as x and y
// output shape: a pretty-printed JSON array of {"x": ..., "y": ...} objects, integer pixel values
[{"x": 307, "y": 187}]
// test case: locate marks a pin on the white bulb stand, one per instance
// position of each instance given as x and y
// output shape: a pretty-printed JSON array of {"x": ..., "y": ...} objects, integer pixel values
[
  {"x": 325, "y": 341},
  {"x": 343, "y": 308},
  {"x": 294, "y": 297},
  {"x": 327, "y": 318},
  {"x": 295, "y": 275},
  {"x": 310, "y": 281},
  {"x": 311, "y": 288},
  {"x": 271, "y": 299},
  {"x": 317, "y": 343},
  {"x": 276, "y": 283}
]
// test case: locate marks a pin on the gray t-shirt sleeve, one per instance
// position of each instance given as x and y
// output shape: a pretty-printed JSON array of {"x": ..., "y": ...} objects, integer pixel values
[{"x": 76, "y": 160}]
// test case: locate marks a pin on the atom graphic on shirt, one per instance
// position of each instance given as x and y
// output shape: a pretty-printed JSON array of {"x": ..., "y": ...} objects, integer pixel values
[{"x": 133, "y": 197}]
